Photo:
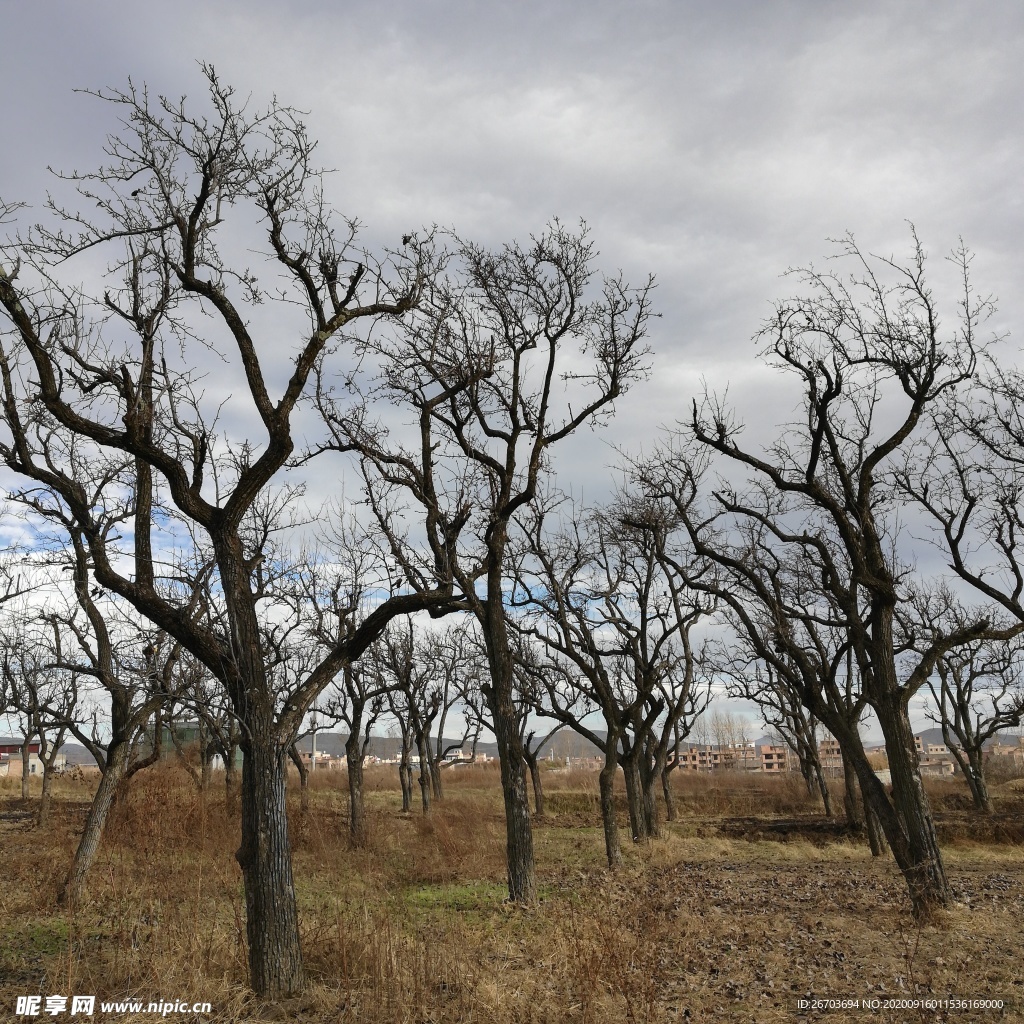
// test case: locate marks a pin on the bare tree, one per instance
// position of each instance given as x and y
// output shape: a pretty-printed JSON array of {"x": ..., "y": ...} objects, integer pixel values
[
  {"x": 112, "y": 668},
  {"x": 506, "y": 357},
  {"x": 533, "y": 744},
  {"x": 19, "y": 673},
  {"x": 356, "y": 699},
  {"x": 400, "y": 716},
  {"x": 871, "y": 360},
  {"x": 616, "y": 628},
  {"x": 672, "y": 762},
  {"x": 977, "y": 695},
  {"x": 203, "y": 699},
  {"x": 783, "y": 711},
  {"x": 456, "y": 662},
  {"x": 17, "y": 680},
  {"x": 40, "y": 695},
  {"x": 414, "y": 701},
  {"x": 110, "y": 380},
  {"x": 195, "y": 741},
  {"x": 726, "y": 727}
]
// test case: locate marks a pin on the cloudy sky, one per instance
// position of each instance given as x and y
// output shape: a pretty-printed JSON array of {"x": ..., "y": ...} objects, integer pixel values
[{"x": 710, "y": 143}]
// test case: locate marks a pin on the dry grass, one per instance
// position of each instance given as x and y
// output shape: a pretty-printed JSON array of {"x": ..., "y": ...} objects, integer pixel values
[{"x": 746, "y": 904}]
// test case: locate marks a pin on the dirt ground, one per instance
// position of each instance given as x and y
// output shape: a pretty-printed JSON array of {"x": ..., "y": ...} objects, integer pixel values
[{"x": 732, "y": 916}]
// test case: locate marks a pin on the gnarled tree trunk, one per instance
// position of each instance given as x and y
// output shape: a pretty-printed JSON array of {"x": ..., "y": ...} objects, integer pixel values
[
  {"x": 530, "y": 756},
  {"x": 923, "y": 870},
  {"x": 635, "y": 798},
  {"x": 356, "y": 810},
  {"x": 522, "y": 881},
  {"x": 425, "y": 788},
  {"x": 25, "y": 768},
  {"x": 851, "y": 797},
  {"x": 613, "y": 851},
  {"x": 822, "y": 786},
  {"x": 272, "y": 926},
  {"x": 667, "y": 791},
  {"x": 649, "y": 775},
  {"x": 46, "y": 799},
  {"x": 876, "y": 838},
  {"x": 70, "y": 894},
  {"x": 405, "y": 779},
  {"x": 293, "y": 753}
]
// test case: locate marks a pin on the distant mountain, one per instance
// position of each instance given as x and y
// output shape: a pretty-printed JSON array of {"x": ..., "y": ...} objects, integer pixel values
[{"x": 77, "y": 754}]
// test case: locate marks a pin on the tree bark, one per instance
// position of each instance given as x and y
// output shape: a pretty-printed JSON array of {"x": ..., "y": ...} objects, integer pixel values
[
  {"x": 635, "y": 799},
  {"x": 979, "y": 785},
  {"x": 425, "y": 786},
  {"x": 924, "y": 871},
  {"x": 356, "y": 810},
  {"x": 70, "y": 894},
  {"x": 25, "y": 792},
  {"x": 436, "y": 776},
  {"x": 275, "y": 952},
  {"x": 613, "y": 850},
  {"x": 522, "y": 881},
  {"x": 649, "y": 775},
  {"x": 972, "y": 766},
  {"x": 922, "y": 893},
  {"x": 851, "y": 797},
  {"x": 405, "y": 778},
  {"x": 668, "y": 792},
  {"x": 538, "y": 786},
  {"x": 303, "y": 771},
  {"x": 230, "y": 774},
  {"x": 822, "y": 785},
  {"x": 46, "y": 798},
  {"x": 272, "y": 926},
  {"x": 876, "y": 838}
]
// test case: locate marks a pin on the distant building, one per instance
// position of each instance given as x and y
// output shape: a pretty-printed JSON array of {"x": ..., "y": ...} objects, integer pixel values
[
  {"x": 323, "y": 762},
  {"x": 187, "y": 734},
  {"x": 747, "y": 757},
  {"x": 12, "y": 766},
  {"x": 773, "y": 759},
  {"x": 10, "y": 747},
  {"x": 830, "y": 756},
  {"x": 1013, "y": 751}
]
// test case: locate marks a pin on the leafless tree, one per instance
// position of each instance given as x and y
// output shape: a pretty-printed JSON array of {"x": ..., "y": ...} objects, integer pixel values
[
  {"x": 196, "y": 701},
  {"x": 977, "y": 695},
  {"x": 728, "y": 729},
  {"x": 672, "y": 763},
  {"x": 358, "y": 700},
  {"x": 533, "y": 744},
  {"x": 616, "y": 629},
  {"x": 114, "y": 672},
  {"x": 20, "y": 674},
  {"x": 203, "y": 700},
  {"x": 508, "y": 355},
  {"x": 400, "y": 717},
  {"x": 110, "y": 381},
  {"x": 38, "y": 694},
  {"x": 456, "y": 662},
  {"x": 783, "y": 711},
  {"x": 871, "y": 360},
  {"x": 17, "y": 674},
  {"x": 414, "y": 700}
]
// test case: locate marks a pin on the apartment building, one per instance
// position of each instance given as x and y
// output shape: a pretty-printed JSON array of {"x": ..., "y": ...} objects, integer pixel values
[{"x": 748, "y": 757}]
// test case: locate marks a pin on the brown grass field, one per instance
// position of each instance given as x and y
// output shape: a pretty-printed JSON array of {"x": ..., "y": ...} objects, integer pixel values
[{"x": 750, "y": 902}]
